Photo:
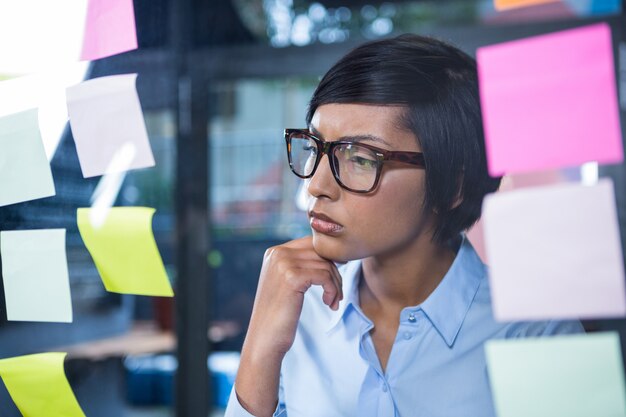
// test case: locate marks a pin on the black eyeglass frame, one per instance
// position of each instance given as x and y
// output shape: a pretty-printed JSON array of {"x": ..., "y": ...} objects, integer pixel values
[{"x": 323, "y": 147}]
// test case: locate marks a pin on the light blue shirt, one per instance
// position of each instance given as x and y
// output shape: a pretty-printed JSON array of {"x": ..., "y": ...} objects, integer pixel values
[{"x": 437, "y": 364}]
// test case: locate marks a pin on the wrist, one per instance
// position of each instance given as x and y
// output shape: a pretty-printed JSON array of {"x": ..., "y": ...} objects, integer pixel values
[
  {"x": 262, "y": 352},
  {"x": 258, "y": 378}
]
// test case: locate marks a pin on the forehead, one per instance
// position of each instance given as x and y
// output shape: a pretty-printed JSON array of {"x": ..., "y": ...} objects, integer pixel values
[{"x": 335, "y": 121}]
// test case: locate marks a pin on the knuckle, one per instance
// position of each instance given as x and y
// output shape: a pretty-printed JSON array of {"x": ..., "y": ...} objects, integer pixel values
[
  {"x": 274, "y": 251},
  {"x": 268, "y": 252}
]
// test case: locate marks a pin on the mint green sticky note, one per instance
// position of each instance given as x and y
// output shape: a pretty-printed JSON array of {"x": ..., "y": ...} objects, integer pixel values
[
  {"x": 560, "y": 376},
  {"x": 24, "y": 168},
  {"x": 35, "y": 275}
]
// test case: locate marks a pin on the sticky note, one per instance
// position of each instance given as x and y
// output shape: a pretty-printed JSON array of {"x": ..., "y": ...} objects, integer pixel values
[
  {"x": 46, "y": 92},
  {"x": 560, "y": 376},
  {"x": 511, "y": 182},
  {"x": 38, "y": 385},
  {"x": 555, "y": 252},
  {"x": 24, "y": 169},
  {"x": 511, "y": 4},
  {"x": 35, "y": 275},
  {"x": 547, "y": 105},
  {"x": 108, "y": 125},
  {"x": 109, "y": 29},
  {"x": 36, "y": 35},
  {"x": 123, "y": 248}
]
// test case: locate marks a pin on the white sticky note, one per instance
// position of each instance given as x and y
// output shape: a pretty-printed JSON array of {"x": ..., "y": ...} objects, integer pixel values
[
  {"x": 560, "y": 376},
  {"x": 24, "y": 168},
  {"x": 555, "y": 252},
  {"x": 35, "y": 275},
  {"x": 44, "y": 91},
  {"x": 36, "y": 35},
  {"x": 108, "y": 125}
]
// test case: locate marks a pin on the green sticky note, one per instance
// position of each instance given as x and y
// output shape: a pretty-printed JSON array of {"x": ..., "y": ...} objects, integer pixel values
[
  {"x": 561, "y": 376},
  {"x": 122, "y": 245},
  {"x": 35, "y": 275},
  {"x": 24, "y": 168},
  {"x": 38, "y": 385}
]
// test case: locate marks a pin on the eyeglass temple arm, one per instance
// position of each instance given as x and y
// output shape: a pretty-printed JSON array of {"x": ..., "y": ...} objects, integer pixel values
[{"x": 413, "y": 158}]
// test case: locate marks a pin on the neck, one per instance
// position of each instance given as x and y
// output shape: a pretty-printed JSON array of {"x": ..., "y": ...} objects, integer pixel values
[{"x": 405, "y": 277}]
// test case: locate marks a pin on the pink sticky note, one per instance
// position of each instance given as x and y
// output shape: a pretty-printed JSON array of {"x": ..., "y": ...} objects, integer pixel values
[
  {"x": 550, "y": 101},
  {"x": 109, "y": 29},
  {"x": 554, "y": 252}
]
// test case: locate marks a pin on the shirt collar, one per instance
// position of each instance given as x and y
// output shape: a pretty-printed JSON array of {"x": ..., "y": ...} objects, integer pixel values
[{"x": 446, "y": 307}]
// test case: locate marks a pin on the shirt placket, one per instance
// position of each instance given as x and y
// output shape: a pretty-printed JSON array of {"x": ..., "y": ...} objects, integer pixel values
[{"x": 375, "y": 397}]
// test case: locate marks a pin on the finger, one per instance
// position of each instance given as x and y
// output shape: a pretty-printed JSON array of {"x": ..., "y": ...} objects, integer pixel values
[
  {"x": 301, "y": 243},
  {"x": 303, "y": 279},
  {"x": 321, "y": 264},
  {"x": 338, "y": 279}
]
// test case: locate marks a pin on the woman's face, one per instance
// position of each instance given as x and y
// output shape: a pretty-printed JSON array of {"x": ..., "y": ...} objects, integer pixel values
[{"x": 382, "y": 222}]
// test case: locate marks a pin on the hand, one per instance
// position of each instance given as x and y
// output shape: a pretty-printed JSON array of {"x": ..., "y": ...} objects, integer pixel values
[{"x": 288, "y": 271}]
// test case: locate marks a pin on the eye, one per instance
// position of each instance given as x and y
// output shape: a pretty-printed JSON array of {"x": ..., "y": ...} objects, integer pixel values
[
  {"x": 310, "y": 147},
  {"x": 363, "y": 162}
]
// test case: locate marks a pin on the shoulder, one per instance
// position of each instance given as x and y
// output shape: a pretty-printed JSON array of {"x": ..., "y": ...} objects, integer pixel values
[{"x": 480, "y": 317}]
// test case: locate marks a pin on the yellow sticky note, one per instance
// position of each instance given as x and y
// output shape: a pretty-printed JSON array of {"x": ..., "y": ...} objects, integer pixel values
[
  {"x": 38, "y": 385},
  {"x": 511, "y": 4},
  {"x": 123, "y": 248}
]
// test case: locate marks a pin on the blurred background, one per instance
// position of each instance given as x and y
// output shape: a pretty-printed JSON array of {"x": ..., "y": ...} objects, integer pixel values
[{"x": 218, "y": 82}]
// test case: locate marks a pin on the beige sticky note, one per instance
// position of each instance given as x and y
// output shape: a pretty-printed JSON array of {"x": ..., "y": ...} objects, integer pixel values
[
  {"x": 108, "y": 125},
  {"x": 554, "y": 252}
]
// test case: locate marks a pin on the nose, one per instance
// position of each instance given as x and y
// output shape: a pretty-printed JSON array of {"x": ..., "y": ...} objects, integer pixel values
[{"x": 323, "y": 183}]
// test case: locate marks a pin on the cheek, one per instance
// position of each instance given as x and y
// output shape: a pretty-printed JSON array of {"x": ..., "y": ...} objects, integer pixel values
[
  {"x": 387, "y": 220},
  {"x": 377, "y": 223},
  {"x": 398, "y": 203}
]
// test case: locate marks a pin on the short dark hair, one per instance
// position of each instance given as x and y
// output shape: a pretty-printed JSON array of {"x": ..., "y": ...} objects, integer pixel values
[{"x": 438, "y": 85}]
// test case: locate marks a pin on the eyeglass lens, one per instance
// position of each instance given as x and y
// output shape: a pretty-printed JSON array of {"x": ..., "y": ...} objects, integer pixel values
[{"x": 354, "y": 166}]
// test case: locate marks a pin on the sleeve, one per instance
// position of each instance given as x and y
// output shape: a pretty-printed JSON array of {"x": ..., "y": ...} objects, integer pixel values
[
  {"x": 544, "y": 328},
  {"x": 235, "y": 409}
]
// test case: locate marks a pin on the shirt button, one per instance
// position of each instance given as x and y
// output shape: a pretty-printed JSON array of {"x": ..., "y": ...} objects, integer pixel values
[
  {"x": 412, "y": 318},
  {"x": 384, "y": 387},
  {"x": 407, "y": 335}
]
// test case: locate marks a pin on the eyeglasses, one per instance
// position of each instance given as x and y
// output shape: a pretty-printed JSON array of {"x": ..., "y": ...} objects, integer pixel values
[{"x": 355, "y": 166}]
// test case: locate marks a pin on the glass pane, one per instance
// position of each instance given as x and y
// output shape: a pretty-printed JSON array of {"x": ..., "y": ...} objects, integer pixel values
[{"x": 253, "y": 190}]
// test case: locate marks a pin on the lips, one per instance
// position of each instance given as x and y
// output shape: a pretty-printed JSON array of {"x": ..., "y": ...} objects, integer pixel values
[{"x": 323, "y": 224}]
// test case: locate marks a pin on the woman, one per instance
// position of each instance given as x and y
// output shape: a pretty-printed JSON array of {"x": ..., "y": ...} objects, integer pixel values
[{"x": 395, "y": 167}]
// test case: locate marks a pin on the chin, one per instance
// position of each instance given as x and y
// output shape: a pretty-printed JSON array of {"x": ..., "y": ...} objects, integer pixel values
[{"x": 334, "y": 248}]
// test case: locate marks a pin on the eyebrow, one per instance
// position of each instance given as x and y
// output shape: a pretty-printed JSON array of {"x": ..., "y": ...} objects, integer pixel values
[{"x": 354, "y": 138}]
